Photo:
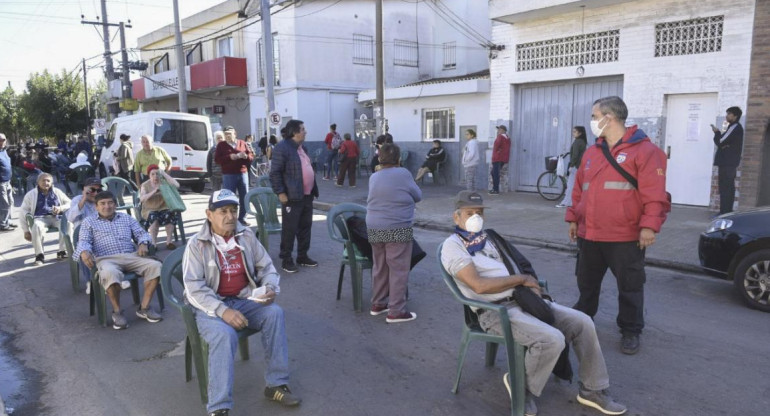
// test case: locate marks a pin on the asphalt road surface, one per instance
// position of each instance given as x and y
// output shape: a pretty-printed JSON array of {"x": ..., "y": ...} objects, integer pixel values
[{"x": 703, "y": 352}]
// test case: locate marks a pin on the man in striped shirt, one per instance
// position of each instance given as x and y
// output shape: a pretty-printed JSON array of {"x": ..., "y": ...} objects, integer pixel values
[{"x": 107, "y": 241}]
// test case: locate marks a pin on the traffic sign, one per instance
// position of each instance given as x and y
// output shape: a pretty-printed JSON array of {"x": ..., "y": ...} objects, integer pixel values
[
  {"x": 362, "y": 117},
  {"x": 274, "y": 118},
  {"x": 100, "y": 125}
]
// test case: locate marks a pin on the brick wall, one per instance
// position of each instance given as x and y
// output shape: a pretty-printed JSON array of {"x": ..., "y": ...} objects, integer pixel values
[
  {"x": 646, "y": 79},
  {"x": 757, "y": 114}
]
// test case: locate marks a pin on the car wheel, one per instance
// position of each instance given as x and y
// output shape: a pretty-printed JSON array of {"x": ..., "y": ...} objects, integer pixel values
[
  {"x": 198, "y": 186},
  {"x": 752, "y": 280}
]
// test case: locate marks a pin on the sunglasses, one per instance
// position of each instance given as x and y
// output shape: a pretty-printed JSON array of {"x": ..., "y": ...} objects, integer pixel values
[{"x": 93, "y": 190}]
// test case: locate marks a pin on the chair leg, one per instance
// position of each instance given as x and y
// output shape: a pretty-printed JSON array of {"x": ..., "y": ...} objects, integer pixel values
[
  {"x": 135, "y": 291},
  {"x": 180, "y": 225},
  {"x": 339, "y": 283},
  {"x": 187, "y": 359},
  {"x": 243, "y": 346},
  {"x": 357, "y": 278},
  {"x": 159, "y": 293},
  {"x": 490, "y": 354},
  {"x": 517, "y": 378},
  {"x": 465, "y": 340}
]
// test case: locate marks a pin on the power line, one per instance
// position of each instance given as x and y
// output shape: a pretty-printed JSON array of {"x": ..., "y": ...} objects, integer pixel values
[
  {"x": 461, "y": 21},
  {"x": 457, "y": 26}
]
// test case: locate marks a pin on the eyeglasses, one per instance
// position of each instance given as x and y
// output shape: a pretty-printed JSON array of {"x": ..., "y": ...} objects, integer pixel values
[{"x": 94, "y": 190}]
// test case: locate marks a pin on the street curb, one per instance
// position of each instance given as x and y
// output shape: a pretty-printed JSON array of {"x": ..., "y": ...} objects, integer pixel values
[{"x": 534, "y": 242}]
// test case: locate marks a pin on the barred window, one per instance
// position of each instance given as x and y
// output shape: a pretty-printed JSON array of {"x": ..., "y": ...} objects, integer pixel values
[
  {"x": 689, "y": 37},
  {"x": 363, "y": 49},
  {"x": 439, "y": 123},
  {"x": 591, "y": 48},
  {"x": 261, "y": 63},
  {"x": 405, "y": 53},
  {"x": 450, "y": 55}
]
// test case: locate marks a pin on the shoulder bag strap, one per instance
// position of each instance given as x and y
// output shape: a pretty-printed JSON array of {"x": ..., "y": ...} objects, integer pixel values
[{"x": 614, "y": 163}]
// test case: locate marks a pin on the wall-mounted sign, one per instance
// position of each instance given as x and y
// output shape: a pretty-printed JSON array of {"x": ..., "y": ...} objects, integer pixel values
[
  {"x": 274, "y": 118},
  {"x": 219, "y": 109}
]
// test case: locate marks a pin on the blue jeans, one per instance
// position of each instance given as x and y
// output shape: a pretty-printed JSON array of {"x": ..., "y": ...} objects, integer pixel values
[
  {"x": 496, "y": 166},
  {"x": 223, "y": 343},
  {"x": 238, "y": 183},
  {"x": 331, "y": 163}
]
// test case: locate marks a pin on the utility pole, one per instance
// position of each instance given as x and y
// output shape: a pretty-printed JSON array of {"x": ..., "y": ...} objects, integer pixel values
[
  {"x": 109, "y": 69},
  {"x": 180, "y": 61},
  {"x": 379, "y": 106},
  {"x": 124, "y": 57},
  {"x": 88, "y": 107},
  {"x": 267, "y": 48}
]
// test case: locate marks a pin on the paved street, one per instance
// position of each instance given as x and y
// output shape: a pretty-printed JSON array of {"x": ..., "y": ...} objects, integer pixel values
[{"x": 703, "y": 352}]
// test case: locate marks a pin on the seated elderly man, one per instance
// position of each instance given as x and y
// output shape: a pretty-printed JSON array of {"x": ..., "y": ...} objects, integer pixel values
[
  {"x": 46, "y": 203},
  {"x": 231, "y": 282},
  {"x": 107, "y": 241},
  {"x": 477, "y": 267}
]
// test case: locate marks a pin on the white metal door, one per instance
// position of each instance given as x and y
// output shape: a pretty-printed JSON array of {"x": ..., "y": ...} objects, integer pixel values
[{"x": 690, "y": 147}]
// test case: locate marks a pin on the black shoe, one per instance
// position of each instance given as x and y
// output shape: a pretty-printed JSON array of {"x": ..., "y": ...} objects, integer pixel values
[
  {"x": 12, "y": 225},
  {"x": 6, "y": 229},
  {"x": 288, "y": 266},
  {"x": 220, "y": 412},
  {"x": 39, "y": 260},
  {"x": 282, "y": 395},
  {"x": 61, "y": 255},
  {"x": 307, "y": 262},
  {"x": 629, "y": 344}
]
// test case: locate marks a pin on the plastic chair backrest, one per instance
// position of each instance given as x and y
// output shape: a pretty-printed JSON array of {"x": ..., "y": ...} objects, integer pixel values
[
  {"x": 266, "y": 204},
  {"x": 404, "y": 157},
  {"x": 335, "y": 220},
  {"x": 83, "y": 172},
  {"x": 264, "y": 181},
  {"x": 471, "y": 318},
  {"x": 172, "y": 270},
  {"x": 76, "y": 236},
  {"x": 118, "y": 187}
]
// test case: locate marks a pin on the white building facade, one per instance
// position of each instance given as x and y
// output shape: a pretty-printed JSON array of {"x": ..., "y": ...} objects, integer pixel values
[{"x": 677, "y": 64}]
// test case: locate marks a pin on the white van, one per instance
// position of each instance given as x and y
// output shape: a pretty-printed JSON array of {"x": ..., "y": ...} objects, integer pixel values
[{"x": 185, "y": 137}]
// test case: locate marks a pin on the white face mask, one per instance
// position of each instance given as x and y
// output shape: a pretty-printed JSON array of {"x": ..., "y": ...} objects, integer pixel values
[
  {"x": 474, "y": 224},
  {"x": 595, "y": 127}
]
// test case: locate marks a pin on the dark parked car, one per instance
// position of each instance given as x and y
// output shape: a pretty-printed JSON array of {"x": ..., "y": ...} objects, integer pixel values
[{"x": 736, "y": 246}]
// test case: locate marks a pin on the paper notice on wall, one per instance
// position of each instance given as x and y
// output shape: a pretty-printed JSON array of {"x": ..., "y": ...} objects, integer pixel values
[{"x": 693, "y": 122}]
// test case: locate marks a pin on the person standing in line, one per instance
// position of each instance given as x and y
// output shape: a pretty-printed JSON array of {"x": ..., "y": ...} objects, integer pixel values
[
  {"x": 125, "y": 158},
  {"x": 6, "y": 190},
  {"x": 348, "y": 165},
  {"x": 471, "y": 159},
  {"x": 293, "y": 180},
  {"x": 501, "y": 153},
  {"x": 728, "y": 156},
  {"x": 333, "y": 142},
  {"x": 576, "y": 151},
  {"x": 213, "y": 168},
  {"x": 235, "y": 157},
  {"x": 614, "y": 220},
  {"x": 390, "y": 207},
  {"x": 149, "y": 155}
]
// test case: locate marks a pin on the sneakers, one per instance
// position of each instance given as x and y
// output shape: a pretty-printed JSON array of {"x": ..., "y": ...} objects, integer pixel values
[
  {"x": 338, "y": 185},
  {"x": 378, "y": 310},
  {"x": 561, "y": 206},
  {"x": 629, "y": 344},
  {"x": 119, "y": 321},
  {"x": 149, "y": 315},
  {"x": 61, "y": 255},
  {"x": 88, "y": 287},
  {"x": 288, "y": 266},
  {"x": 244, "y": 223},
  {"x": 307, "y": 262},
  {"x": 494, "y": 193},
  {"x": 402, "y": 317},
  {"x": 220, "y": 412},
  {"x": 282, "y": 395},
  {"x": 170, "y": 246},
  {"x": 39, "y": 260},
  {"x": 600, "y": 400},
  {"x": 530, "y": 407},
  {"x": 352, "y": 186}
]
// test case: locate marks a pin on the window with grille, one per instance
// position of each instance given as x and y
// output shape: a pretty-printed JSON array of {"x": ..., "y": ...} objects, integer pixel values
[
  {"x": 591, "y": 48},
  {"x": 450, "y": 55},
  {"x": 405, "y": 53},
  {"x": 160, "y": 64},
  {"x": 194, "y": 55},
  {"x": 225, "y": 47},
  {"x": 439, "y": 123},
  {"x": 276, "y": 63},
  {"x": 689, "y": 37},
  {"x": 363, "y": 49}
]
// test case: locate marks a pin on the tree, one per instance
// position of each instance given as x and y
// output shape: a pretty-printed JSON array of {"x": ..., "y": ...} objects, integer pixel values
[
  {"x": 9, "y": 114},
  {"x": 54, "y": 104}
]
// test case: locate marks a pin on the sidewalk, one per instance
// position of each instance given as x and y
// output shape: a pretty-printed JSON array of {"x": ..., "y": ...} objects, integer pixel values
[{"x": 527, "y": 218}]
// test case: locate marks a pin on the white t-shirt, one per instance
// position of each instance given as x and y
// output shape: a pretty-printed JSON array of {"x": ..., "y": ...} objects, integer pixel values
[{"x": 488, "y": 263}]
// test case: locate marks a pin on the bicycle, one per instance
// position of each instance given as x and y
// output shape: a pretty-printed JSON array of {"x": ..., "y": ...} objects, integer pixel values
[{"x": 550, "y": 185}]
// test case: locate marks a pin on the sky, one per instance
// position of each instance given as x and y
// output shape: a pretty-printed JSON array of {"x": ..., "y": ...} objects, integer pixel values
[{"x": 47, "y": 34}]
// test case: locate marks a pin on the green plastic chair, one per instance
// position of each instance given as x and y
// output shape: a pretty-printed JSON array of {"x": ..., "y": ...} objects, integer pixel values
[
  {"x": 30, "y": 219},
  {"x": 473, "y": 331},
  {"x": 80, "y": 174},
  {"x": 263, "y": 204},
  {"x": 98, "y": 296},
  {"x": 338, "y": 231},
  {"x": 64, "y": 229},
  {"x": 363, "y": 162},
  {"x": 404, "y": 158},
  {"x": 19, "y": 179},
  {"x": 196, "y": 349},
  {"x": 118, "y": 186},
  {"x": 264, "y": 181}
]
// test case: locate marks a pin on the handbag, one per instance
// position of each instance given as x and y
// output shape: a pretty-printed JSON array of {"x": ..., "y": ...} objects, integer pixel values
[
  {"x": 360, "y": 237},
  {"x": 171, "y": 196}
]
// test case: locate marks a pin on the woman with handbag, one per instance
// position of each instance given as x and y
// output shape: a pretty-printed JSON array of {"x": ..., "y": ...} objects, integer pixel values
[
  {"x": 155, "y": 212},
  {"x": 348, "y": 158}
]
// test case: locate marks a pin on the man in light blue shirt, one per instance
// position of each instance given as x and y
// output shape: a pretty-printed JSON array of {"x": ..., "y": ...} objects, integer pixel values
[{"x": 84, "y": 206}]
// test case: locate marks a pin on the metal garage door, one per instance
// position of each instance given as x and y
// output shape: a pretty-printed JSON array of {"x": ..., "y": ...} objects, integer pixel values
[{"x": 544, "y": 114}]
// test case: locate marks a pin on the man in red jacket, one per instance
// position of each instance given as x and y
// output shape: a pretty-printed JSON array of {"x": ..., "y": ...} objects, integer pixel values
[
  {"x": 614, "y": 220},
  {"x": 235, "y": 157},
  {"x": 501, "y": 153}
]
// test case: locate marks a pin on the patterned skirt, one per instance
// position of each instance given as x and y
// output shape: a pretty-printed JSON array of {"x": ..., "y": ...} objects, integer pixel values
[
  {"x": 396, "y": 235},
  {"x": 164, "y": 217}
]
